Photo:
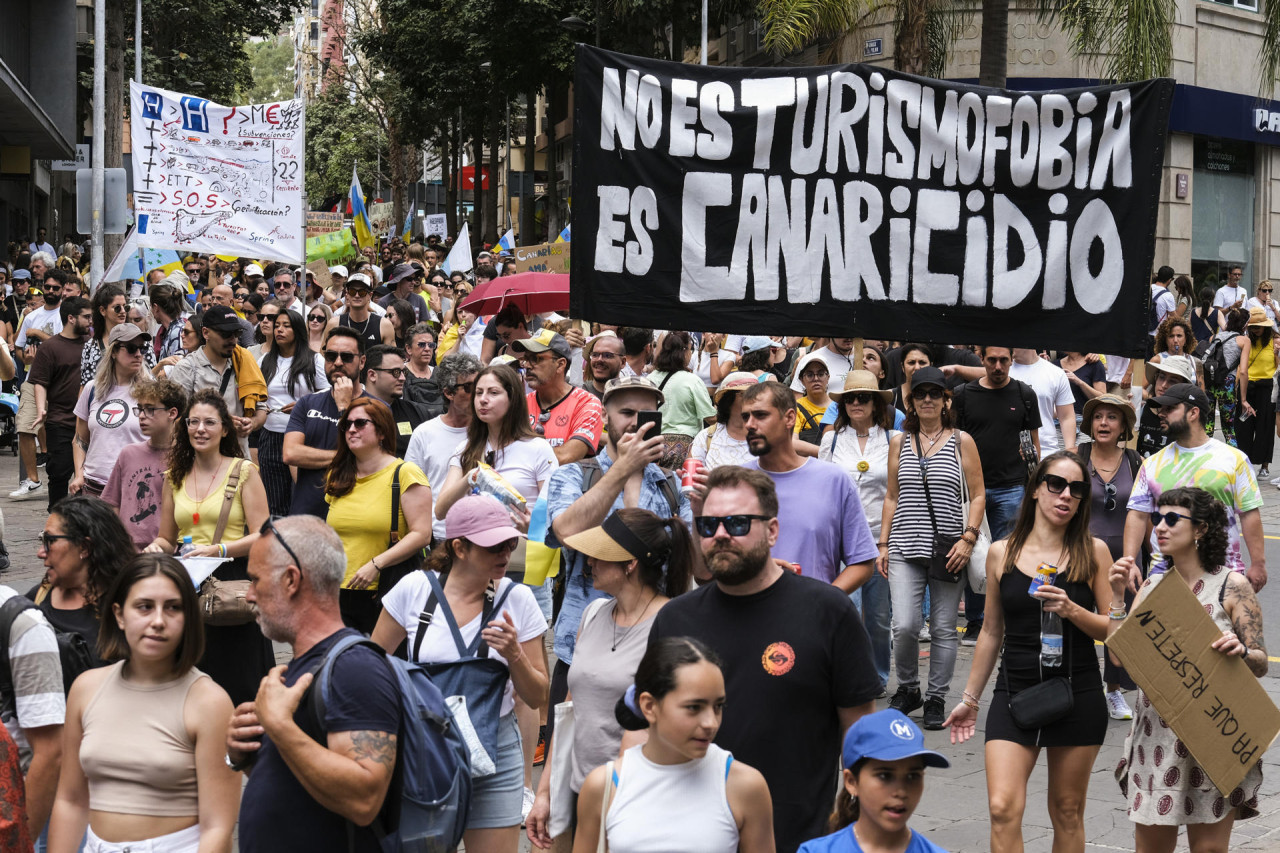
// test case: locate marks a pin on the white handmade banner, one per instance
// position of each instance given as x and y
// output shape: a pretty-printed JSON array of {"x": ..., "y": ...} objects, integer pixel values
[
  {"x": 218, "y": 179},
  {"x": 435, "y": 223}
]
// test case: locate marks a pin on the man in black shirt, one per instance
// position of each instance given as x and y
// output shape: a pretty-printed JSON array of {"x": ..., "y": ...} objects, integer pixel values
[
  {"x": 796, "y": 658},
  {"x": 995, "y": 410},
  {"x": 384, "y": 373}
]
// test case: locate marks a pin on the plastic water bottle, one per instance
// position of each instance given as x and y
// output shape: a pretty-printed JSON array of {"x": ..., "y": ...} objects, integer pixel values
[
  {"x": 1050, "y": 639},
  {"x": 186, "y": 547}
]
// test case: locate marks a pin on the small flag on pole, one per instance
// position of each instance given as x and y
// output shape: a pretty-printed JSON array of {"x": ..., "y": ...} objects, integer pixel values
[
  {"x": 360, "y": 218},
  {"x": 460, "y": 258},
  {"x": 564, "y": 235},
  {"x": 508, "y": 241}
]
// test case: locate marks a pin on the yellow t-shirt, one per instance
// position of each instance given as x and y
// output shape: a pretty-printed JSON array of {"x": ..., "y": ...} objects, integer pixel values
[
  {"x": 1262, "y": 362},
  {"x": 362, "y": 516},
  {"x": 201, "y": 533},
  {"x": 804, "y": 404}
]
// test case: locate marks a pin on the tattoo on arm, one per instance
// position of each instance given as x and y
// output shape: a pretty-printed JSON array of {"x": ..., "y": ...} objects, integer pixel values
[
  {"x": 1246, "y": 615},
  {"x": 378, "y": 747}
]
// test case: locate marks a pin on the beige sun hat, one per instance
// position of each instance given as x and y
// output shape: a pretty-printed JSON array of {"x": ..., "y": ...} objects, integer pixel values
[{"x": 861, "y": 380}]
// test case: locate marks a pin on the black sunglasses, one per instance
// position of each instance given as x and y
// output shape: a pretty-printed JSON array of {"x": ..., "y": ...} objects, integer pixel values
[
  {"x": 1110, "y": 503},
  {"x": 933, "y": 392},
  {"x": 734, "y": 525},
  {"x": 315, "y": 318},
  {"x": 466, "y": 387},
  {"x": 1078, "y": 488},
  {"x": 862, "y": 398},
  {"x": 1170, "y": 519},
  {"x": 331, "y": 356},
  {"x": 501, "y": 547},
  {"x": 132, "y": 347},
  {"x": 269, "y": 526},
  {"x": 358, "y": 423}
]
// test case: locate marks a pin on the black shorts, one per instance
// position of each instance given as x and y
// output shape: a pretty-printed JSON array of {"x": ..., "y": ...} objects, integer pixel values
[{"x": 1086, "y": 725}]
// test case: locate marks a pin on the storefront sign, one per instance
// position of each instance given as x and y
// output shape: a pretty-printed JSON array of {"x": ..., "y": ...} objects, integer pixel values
[
  {"x": 851, "y": 200},
  {"x": 1213, "y": 703}
]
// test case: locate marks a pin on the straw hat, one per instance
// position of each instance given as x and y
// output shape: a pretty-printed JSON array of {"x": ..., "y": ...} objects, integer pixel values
[
  {"x": 1258, "y": 317},
  {"x": 1120, "y": 404},
  {"x": 736, "y": 381},
  {"x": 861, "y": 380}
]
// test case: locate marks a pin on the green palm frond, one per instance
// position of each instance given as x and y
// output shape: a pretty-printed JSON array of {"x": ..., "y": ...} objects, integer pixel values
[
  {"x": 947, "y": 20},
  {"x": 1269, "y": 53},
  {"x": 1127, "y": 39},
  {"x": 791, "y": 24}
]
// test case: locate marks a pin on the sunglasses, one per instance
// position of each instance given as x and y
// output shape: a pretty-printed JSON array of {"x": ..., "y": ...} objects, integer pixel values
[
  {"x": 1170, "y": 519},
  {"x": 357, "y": 424},
  {"x": 397, "y": 372},
  {"x": 424, "y": 344},
  {"x": 131, "y": 347},
  {"x": 331, "y": 356},
  {"x": 268, "y": 526},
  {"x": 862, "y": 398},
  {"x": 46, "y": 540},
  {"x": 315, "y": 318},
  {"x": 269, "y": 318},
  {"x": 1056, "y": 484},
  {"x": 734, "y": 525},
  {"x": 1110, "y": 503},
  {"x": 501, "y": 547},
  {"x": 465, "y": 387},
  {"x": 119, "y": 309},
  {"x": 1264, "y": 290},
  {"x": 933, "y": 392},
  {"x": 357, "y": 291}
]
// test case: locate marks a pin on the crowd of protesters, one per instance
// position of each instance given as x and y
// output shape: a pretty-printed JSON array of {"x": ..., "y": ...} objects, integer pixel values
[{"x": 696, "y": 562}]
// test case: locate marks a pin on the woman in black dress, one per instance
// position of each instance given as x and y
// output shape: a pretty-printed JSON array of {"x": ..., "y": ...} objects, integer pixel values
[{"x": 1052, "y": 530}]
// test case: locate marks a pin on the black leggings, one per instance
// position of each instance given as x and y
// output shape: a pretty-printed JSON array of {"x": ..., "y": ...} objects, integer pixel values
[{"x": 1256, "y": 436}]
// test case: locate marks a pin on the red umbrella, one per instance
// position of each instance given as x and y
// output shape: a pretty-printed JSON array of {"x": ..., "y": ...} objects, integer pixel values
[{"x": 534, "y": 292}]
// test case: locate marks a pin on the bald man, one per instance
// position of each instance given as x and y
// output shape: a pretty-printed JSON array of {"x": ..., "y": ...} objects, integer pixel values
[{"x": 221, "y": 295}]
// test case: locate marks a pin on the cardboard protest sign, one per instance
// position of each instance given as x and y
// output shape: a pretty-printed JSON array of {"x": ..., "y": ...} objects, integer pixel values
[
  {"x": 209, "y": 178},
  {"x": 857, "y": 201},
  {"x": 320, "y": 269},
  {"x": 1213, "y": 703},
  {"x": 543, "y": 257},
  {"x": 323, "y": 222}
]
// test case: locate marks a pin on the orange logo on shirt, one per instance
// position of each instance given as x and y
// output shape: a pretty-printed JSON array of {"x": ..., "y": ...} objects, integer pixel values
[{"x": 778, "y": 658}]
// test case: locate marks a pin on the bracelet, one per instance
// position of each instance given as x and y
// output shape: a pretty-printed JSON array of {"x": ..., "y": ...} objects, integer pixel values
[
  {"x": 965, "y": 538},
  {"x": 974, "y": 705},
  {"x": 1246, "y": 651},
  {"x": 373, "y": 561},
  {"x": 976, "y": 531},
  {"x": 967, "y": 695},
  {"x": 222, "y": 550},
  {"x": 1117, "y": 615},
  {"x": 882, "y": 544}
]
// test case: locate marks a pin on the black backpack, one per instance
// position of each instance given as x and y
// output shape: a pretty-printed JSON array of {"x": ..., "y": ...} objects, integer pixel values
[
  {"x": 1216, "y": 369},
  {"x": 73, "y": 650}
]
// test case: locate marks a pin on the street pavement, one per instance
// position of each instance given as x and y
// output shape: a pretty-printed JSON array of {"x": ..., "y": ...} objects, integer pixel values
[{"x": 953, "y": 812}]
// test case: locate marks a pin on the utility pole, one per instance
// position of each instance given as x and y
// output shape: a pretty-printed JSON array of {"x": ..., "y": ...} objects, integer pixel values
[
  {"x": 96, "y": 260},
  {"x": 704, "y": 32},
  {"x": 137, "y": 41}
]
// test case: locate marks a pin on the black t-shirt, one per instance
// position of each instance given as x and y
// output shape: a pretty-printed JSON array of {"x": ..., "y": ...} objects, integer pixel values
[
  {"x": 1151, "y": 435},
  {"x": 276, "y": 812},
  {"x": 316, "y": 417},
  {"x": 82, "y": 621},
  {"x": 792, "y": 654},
  {"x": 994, "y": 417},
  {"x": 407, "y": 415},
  {"x": 894, "y": 375}
]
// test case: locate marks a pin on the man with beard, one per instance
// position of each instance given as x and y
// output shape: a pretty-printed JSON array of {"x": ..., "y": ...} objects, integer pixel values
[
  {"x": 311, "y": 438},
  {"x": 828, "y": 539},
  {"x": 55, "y": 381},
  {"x": 311, "y": 790},
  {"x": 384, "y": 378},
  {"x": 796, "y": 658},
  {"x": 217, "y": 365},
  {"x": 567, "y": 417},
  {"x": 581, "y": 495},
  {"x": 1193, "y": 459},
  {"x": 605, "y": 361},
  {"x": 39, "y": 325}
]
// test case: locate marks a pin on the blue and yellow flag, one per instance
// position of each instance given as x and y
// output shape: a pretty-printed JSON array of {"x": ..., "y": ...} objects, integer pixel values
[
  {"x": 359, "y": 216},
  {"x": 408, "y": 227},
  {"x": 564, "y": 235},
  {"x": 508, "y": 241}
]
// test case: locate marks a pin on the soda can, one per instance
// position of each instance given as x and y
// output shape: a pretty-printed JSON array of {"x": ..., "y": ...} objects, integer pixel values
[
  {"x": 690, "y": 467},
  {"x": 1045, "y": 574}
]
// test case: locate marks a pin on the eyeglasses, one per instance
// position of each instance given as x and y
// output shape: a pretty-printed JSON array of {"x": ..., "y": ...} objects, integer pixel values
[
  {"x": 357, "y": 424},
  {"x": 397, "y": 372},
  {"x": 132, "y": 347},
  {"x": 862, "y": 398},
  {"x": 208, "y": 423},
  {"x": 357, "y": 291},
  {"x": 47, "y": 539},
  {"x": 1264, "y": 290},
  {"x": 192, "y": 272},
  {"x": 532, "y": 358},
  {"x": 331, "y": 356},
  {"x": 813, "y": 374},
  {"x": 187, "y": 330},
  {"x": 1110, "y": 503},
  {"x": 119, "y": 309},
  {"x": 501, "y": 547},
  {"x": 604, "y": 356},
  {"x": 1170, "y": 519},
  {"x": 269, "y": 526},
  {"x": 149, "y": 411},
  {"x": 1078, "y": 488},
  {"x": 734, "y": 525},
  {"x": 424, "y": 344},
  {"x": 933, "y": 392},
  {"x": 315, "y": 318}
]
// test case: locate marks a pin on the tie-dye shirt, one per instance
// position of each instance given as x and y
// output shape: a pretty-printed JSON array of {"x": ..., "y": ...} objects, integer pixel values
[{"x": 1219, "y": 469}]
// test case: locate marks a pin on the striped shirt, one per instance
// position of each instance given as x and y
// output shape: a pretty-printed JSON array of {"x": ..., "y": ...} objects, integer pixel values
[
  {"x": 37, "y": 698},
  {"x": 911, "y": 535}
]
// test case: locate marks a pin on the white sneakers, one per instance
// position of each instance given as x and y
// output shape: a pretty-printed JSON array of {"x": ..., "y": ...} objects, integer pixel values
[
  {"x": 1117, "y": 707},
  {"x": 26, "y": 489}
]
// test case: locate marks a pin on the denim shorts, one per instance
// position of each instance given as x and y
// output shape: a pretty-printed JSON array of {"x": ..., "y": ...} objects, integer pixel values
[{"x": 497, "y": 800}]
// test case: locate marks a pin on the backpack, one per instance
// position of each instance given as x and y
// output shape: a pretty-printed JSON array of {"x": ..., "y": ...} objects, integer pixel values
[
  {"x": 1216, "y": 369},
  {"x": 73, "y": 651},
  {"x": 669, "y": 485},
  {"x": 427, "y": 804},
  {"x": 1155, "y": 300}
]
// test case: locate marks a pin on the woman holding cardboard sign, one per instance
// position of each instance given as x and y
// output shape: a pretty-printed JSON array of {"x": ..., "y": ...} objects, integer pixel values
[{"x": 1165, "y": 786}]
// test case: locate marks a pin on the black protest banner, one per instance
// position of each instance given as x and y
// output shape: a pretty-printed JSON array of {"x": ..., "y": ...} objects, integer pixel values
[{"x": 856, "y": 201}]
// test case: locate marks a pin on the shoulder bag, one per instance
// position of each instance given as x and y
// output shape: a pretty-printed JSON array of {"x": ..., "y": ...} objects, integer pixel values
[
  {"x": 1045, "y": 703},
  {"x": 223, "y": 603},
  {"x": 977, "y": 568},
  {"x": 942, "y": 542},
  {"x": 610, "y": 773},
  {"x": 479, "y": 679},
  {"x": 389, "y": 576}
]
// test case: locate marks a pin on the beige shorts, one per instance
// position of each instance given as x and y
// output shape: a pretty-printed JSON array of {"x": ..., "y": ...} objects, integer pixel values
[{"x": 26, "y": 420}]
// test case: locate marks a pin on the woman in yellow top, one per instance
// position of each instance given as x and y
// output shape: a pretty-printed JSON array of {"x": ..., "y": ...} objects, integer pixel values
[
  {"x": 358, "y": 490},
  {"x": 205, "y": 455},
  {"x": 1255, "y": 430}
]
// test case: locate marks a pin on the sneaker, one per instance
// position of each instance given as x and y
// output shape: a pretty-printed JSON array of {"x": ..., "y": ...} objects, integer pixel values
[
  {"x": 540, "y": 753},
  {"x": 1117, "y": 707},
  {"x": 26, "y": 489},
  {"x": 1275, "y": 481},
  {"x": 935, "y": 713},
  {"x": 971, "y": 631},
  {"x": 529, "y": 797},
  {"x": 906, "y": 700},
  {"x": 4, "y": 557},
  {"x": 42, "y": 459},
  {"x": 1264, "y": 473}
]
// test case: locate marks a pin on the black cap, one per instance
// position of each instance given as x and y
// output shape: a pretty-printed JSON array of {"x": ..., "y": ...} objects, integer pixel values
[
  {"x": 220, "y": 318},
  {"x": 1183, "y": 392},
  {"x": 928, "y": 376}
]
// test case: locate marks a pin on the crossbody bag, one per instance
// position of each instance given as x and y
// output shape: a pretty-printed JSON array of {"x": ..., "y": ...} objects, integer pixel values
[{"x": 942, "y": 542}]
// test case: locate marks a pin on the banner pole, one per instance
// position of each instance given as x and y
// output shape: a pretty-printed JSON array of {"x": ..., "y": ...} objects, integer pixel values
[{"x": 857, "y": 353}]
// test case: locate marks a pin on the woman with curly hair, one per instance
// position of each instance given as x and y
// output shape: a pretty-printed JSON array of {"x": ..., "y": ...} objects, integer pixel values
[
  {"x": 1174, "y": 337},
  {"x": 207, "y": 470},
  {"x": 1191, "y": 529}
]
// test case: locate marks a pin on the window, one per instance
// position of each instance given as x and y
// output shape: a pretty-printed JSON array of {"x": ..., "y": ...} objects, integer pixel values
[{"x": 1247, "y": 5}]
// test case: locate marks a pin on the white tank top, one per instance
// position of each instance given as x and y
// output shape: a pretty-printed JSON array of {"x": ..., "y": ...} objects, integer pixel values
[{"x": 659, "y": 808}]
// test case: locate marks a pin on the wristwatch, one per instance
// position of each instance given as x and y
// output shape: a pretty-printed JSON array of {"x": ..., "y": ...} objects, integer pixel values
[{"x": 243, "y": 765}]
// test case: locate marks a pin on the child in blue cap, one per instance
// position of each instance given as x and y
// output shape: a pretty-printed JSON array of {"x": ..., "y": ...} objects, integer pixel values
[{"x": 884, "y": 762}]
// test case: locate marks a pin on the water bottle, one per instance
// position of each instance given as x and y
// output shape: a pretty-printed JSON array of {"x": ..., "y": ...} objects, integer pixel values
[
  {"x": 1050, "y": 639},
  {"x": 186, "y": 547}
]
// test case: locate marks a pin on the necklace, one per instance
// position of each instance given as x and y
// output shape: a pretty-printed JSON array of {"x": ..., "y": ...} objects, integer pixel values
[
  {"x": 618, "y": 638},
  {"x": 934, "y": 440},
  {"x": 195, "y": 516},
  {"x": 364, "y": 329}
]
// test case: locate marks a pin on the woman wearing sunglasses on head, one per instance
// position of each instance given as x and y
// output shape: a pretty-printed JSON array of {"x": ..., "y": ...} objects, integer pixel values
[
  {"x": 105, "y": 423},
  {"x": 1109, "y": 421},
  {"x": 1191, "y": 529},
  {"x": 464, "y": 607},
  {"x": 1045, "y": 585},
  {"x": 925, "y": 541},
  {"x": 291, "y": 370},
  {"x": 360, "y": 489}
]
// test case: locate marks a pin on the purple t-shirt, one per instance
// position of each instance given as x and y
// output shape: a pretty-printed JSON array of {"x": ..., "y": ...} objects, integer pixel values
[
  {"x": 134, "y": 487},
  {"x": 821, "y": 526}
]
